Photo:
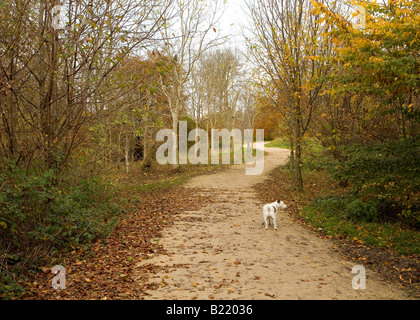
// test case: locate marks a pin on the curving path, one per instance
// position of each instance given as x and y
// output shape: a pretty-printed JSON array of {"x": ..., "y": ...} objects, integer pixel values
[{"x": 224, "y": 252}]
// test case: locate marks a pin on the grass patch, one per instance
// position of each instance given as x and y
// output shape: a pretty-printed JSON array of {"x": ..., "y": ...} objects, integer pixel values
[
  {"x": 329, "y": 214},
  {"x": 278, "y": 144},
  {"x": 309, "y": 145},
  {"x": 162, "y": 184}
]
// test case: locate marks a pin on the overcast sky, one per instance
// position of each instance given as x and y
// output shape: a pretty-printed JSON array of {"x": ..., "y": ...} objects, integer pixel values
[{"x": 232, "y": 21}]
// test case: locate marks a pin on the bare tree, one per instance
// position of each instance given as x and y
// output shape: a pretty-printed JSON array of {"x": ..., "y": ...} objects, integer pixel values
[
  {"x": 216, "y": 89},
  {"x": 218, "y": 85},
  {"x": 55, "y": 78},
  {"x": 190, "y": 30}
]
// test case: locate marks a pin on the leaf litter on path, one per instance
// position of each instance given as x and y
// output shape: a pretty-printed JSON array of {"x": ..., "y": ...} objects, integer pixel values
[{"x": 108, "y": 270}]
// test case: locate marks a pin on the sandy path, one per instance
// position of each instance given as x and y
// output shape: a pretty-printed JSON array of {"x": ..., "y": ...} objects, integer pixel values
[{"x": 224, "y": 252}]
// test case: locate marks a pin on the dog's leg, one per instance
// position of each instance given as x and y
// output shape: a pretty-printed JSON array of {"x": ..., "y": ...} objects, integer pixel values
[
  {"x": 275, "y": 222},
  {"x": 265, "y": 216}
]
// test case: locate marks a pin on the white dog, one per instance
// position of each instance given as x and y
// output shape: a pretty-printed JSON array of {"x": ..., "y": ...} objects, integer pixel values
[{"x": 270, "y": 211}]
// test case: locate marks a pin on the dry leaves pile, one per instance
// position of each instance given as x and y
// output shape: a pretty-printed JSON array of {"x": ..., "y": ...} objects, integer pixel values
[{"x": 107, "y": 270}]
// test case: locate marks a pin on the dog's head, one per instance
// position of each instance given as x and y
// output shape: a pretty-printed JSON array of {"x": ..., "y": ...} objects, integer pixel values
[{"x": 281, "y": 204}]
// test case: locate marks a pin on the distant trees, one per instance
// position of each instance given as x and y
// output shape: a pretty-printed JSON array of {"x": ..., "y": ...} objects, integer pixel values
[
  {"x": 185, "y": 39},
  {"x": 89, "y": 86},
  {"x": 218, "y": 86},
  {"x": 139, "y": 111}
]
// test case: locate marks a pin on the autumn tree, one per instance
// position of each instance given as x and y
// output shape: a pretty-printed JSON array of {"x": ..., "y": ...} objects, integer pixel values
[
  {"x": 376, "y": 72},
  {"x": 140, "y": 111},
  {"x": 368, "y": 116},
  {"x": 286, "y": 45}
]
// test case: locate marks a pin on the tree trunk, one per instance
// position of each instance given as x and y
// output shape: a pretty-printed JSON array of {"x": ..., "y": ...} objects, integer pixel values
[
  {"x": 196, "y": 136},
  {"x": 145, "y": 144},
  {"x": 127, "y": 153},
  {"x": 298, "y": 165},
  {"x": 298, "y": 145},
  {"x": 175, "y": 138},
  {"x": 292, "y": 153}
]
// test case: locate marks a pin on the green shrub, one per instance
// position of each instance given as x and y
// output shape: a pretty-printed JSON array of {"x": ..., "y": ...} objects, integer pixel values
[
  {"x": 385, "y": 175},
  {"x": 331, "y": 205},
  {"x": 358, "y": 210},
  {"x": 354, "y": 219},
  {"x": 79, "y": 214},
  {"x": 40, "y": 213}
]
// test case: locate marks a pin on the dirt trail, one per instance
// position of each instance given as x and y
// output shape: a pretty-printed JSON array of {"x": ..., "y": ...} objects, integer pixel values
[{"x": 224, "y": 252}]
